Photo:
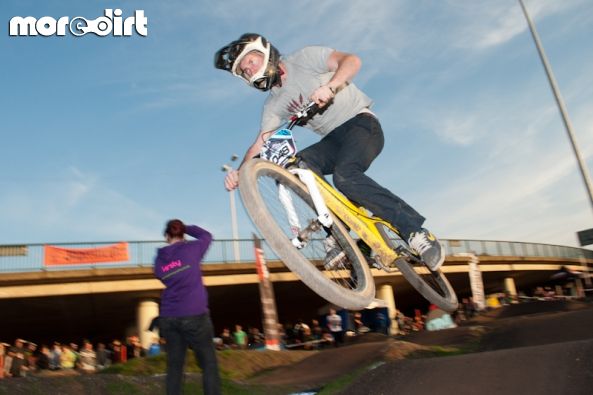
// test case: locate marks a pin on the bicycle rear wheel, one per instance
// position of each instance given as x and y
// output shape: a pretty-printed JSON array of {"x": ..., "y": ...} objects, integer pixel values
[
  {"x": 350, "y": 283},
  {"x": 434, "y": 286}
]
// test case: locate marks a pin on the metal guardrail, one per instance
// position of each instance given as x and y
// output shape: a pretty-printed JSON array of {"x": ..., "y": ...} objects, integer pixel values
[{"x": 30, "y": 257}]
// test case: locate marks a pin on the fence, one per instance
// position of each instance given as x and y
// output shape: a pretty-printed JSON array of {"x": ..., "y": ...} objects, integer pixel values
[{"x": 29, "y": 257}]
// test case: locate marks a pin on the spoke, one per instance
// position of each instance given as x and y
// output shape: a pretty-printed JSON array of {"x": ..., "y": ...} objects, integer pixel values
[{"x": 308, "y": 229}]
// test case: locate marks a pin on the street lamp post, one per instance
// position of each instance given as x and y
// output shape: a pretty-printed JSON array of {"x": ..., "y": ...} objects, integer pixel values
[
  {"x": 560, "y": 102},
  {"x": 228, "y": 168}
]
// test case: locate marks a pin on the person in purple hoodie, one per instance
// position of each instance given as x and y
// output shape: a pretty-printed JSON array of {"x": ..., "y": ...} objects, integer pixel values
[{"x": 184, "y": 319}]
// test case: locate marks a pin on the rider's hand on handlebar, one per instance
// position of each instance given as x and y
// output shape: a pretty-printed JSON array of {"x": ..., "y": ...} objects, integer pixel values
[
  {"x": 322, "y": 95},
  {"x": 231, "y": 181}
]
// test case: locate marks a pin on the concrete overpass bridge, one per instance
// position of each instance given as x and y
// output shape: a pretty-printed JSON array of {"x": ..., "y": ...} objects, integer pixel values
[{"x": 108, "y": 300}]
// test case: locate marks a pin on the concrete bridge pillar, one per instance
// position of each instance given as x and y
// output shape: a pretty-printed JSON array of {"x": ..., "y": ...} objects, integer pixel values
[
  {"x": 579, "y": 289},
  {"x": 511, "y": 289},
  {"x": 147, "y": 310},
  {"x": 385, "y": 293}
]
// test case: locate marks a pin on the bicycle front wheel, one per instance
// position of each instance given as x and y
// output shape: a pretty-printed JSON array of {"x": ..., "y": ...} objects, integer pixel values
[
  {"x": 434, "y": 286},
  {"x": 280, "y": 207}
]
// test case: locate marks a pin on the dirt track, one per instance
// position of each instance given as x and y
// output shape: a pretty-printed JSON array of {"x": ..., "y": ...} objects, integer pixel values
[
  {"x": 536, "y": 348},
  {"x": 539, "y": 348},
  {"x": 561, "y": 368}
]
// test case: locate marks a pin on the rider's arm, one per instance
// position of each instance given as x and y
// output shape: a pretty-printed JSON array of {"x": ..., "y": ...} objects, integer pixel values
[
  {"x": 271, "y": 120},
  {"x": 345, "y": 66},
  {"x": 255, "y": 148},
  {"x": 231, "y": 180}
]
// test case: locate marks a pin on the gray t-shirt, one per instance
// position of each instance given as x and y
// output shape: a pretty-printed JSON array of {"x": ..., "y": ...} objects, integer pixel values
[{"x": 306, "y": 70}]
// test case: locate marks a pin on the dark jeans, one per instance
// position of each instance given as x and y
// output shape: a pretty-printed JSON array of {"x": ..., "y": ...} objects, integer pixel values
[
  {"x": 347, "y": 152},
  {"x": 338, "y": 338},
  {"x": 195, "y": 331}
]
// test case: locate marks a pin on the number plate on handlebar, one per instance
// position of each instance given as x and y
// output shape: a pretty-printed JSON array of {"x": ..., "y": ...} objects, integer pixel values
[{"x": 279, "y": 148}]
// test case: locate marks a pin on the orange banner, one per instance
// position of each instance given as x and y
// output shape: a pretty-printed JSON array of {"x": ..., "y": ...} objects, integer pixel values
[{"x": 67, "y": 256}]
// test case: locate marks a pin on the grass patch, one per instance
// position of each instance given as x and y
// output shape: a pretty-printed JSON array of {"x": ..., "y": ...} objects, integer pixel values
[
  {"x": 121, "y": 387},
  {"x": 233, "y": 388},
  {"x": 243, "y": 364},
  {"x": 232, "y": 364},
  {"x": 139, "y": 366},
  {"x": 437, "y": 351},
  {"x": 35, "y": 389},
  {"x": 193, "y": 385},
  {"x": 192, "y": 388},
  {"x": 340, "y": 384}
]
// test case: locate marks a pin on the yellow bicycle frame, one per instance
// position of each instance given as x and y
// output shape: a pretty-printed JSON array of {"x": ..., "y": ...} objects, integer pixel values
[{"x": 358, "y": 221}]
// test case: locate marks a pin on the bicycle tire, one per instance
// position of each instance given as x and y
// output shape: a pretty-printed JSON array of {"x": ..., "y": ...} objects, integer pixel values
[
  {"x": 434, "y": 286},
  {"x": 351, "y": 285}
]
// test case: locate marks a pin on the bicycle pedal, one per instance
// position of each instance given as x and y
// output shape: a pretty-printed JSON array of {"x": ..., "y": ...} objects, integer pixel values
[
  {"x": 408, "y": 254},
  {"x": 376, "y": 263}
]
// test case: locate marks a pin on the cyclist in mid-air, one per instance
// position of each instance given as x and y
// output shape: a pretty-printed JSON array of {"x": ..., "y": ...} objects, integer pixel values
[{"x": 351, "y": 134}]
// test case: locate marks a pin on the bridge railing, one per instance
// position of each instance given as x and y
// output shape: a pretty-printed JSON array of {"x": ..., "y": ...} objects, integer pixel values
[{"x": 30, "y": 257}]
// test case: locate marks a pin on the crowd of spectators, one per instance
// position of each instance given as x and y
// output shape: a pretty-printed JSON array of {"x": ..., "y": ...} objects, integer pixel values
[
  {"x": 468, "y": 309},
  {"x": 302, "y": 335},
  {"x": 25, "y": 357},
  {"x": 329, "y": 330}
]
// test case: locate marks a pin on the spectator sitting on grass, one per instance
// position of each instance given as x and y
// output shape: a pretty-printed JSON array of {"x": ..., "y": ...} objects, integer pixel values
[
  {"x": 67, "y": 358},
  {"x": 240, "y": 337},
  {"x": 103, "y": 356},
  {"x": 227, "y": 339},
  {"x": 87, "y": 358},
  {"x": 19, "y": 363},
  {"x": 43, "y": 358}
]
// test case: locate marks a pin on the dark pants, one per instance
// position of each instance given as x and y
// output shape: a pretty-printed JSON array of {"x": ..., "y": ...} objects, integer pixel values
[
  {"x": 338, "y": 338},
  {"x": 196, "y": 332},
  {"x": 347, "y": 152}
]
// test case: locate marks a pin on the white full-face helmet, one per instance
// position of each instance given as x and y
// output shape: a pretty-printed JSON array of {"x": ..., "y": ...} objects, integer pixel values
[{"x": 229, "y": 57}]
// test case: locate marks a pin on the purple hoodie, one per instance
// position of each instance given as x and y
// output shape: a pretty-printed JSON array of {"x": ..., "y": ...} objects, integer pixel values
[{"x": 178, "y": 267}]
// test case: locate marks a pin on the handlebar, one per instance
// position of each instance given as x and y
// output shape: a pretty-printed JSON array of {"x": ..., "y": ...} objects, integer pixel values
[{"x": 301, "y": 117}]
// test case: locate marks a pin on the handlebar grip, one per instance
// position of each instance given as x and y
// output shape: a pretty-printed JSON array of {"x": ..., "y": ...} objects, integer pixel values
[
  {"x": 313, "y": 109},
  {"x": 310, "y": 110}
]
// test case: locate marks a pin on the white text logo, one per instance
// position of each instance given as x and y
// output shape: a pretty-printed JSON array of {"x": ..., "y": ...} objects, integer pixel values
[{"x": 111, "y": 23}]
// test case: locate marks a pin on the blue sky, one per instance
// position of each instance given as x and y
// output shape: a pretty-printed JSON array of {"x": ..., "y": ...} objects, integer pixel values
[{"x": 105, "y": 138}]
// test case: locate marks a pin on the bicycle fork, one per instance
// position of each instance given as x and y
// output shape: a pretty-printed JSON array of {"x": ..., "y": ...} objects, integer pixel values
[{"x": 324, "y": 218}]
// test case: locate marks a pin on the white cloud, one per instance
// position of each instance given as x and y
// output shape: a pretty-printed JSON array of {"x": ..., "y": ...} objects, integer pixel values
[
  {"x": 75, "y": 207},
  {"x": 519, "y": 180},
  {"x": 458, "y": 129},
  {"x": 487, "y": 24},
  {"x": 481, "y": 25},
  {"x": 517, "y": 199}
]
